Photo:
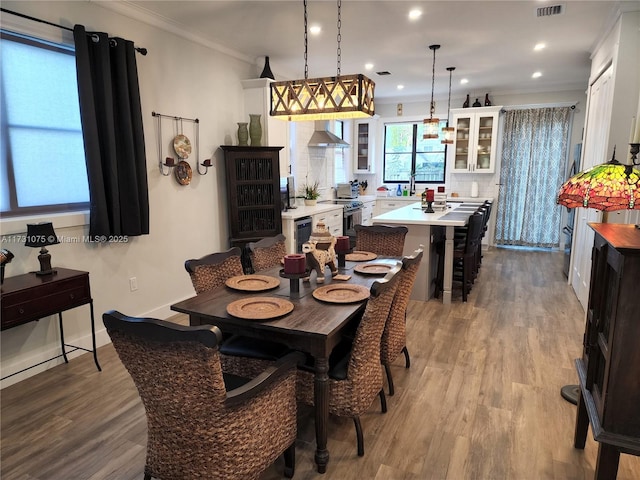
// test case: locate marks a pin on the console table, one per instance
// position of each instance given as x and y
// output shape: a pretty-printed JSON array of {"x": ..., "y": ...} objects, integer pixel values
[{"x": 30, "y": 297}]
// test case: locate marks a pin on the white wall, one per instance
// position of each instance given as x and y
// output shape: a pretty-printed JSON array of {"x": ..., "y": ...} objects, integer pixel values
[{"x": 177, "y": 77}]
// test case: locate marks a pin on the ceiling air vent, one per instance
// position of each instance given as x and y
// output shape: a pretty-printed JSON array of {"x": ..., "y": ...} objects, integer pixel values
[
  {"x": 384, "y": 73},
  {"x": 550, "y": 10}
]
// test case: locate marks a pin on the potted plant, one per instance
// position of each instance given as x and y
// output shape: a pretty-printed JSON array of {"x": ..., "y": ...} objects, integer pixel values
[{"x": 310, "y": 193}]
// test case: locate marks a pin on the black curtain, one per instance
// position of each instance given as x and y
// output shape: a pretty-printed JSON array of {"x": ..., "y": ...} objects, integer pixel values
[{"x": 111, "y": 116}]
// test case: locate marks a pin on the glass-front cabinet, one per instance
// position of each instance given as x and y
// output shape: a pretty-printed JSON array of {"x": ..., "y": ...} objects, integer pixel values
[
  {"x": 363, "y": 144},
  {"x": 476, "y": 139}
]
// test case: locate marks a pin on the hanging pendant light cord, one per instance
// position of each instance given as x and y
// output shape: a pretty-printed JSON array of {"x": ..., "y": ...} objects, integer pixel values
[
  {"x": 451, "y": 69},
  {"x": 432, "y": 110},
  {"x": 306, "y": 41},
  {"x": 339, "y": 52}
]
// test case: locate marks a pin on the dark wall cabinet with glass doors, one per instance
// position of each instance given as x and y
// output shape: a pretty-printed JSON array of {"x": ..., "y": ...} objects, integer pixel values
[
  {"x": 609, "y": 370},
  {"x": 253, "y": 191}
]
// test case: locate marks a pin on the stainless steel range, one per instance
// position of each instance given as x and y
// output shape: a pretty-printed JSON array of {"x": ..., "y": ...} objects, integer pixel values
[{"x": 351, "y": 216}]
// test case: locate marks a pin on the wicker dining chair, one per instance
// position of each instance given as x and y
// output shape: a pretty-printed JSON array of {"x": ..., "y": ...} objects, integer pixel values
[
  {"x": 355, "y": 372},
  {"x": 201, "y": 422},
  {"x": 211, "y": 271},
  {"x": 239, "y": 355},
  {"x": 267, "y": 253},
  {"x": 394, "y": 336},
  {"x": 380, "y": 239}
]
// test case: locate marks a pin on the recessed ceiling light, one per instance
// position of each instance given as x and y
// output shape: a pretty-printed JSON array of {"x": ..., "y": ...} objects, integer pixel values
[
  {"x": 400, "y": 87},
  {"x": 464, "y": 81},
  {"x": 315, "y": 29},
  {"x": 368, "y": 66},
  {"x": 536, "y": 74},
  {"x": 539, "y": 46},
  {"x": 415, "y": 14}
]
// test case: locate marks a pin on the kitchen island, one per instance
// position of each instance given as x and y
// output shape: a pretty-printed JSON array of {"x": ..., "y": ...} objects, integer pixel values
[{"x": 420, "y": 233}]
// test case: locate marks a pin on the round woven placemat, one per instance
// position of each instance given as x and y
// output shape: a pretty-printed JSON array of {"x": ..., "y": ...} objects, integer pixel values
[
  {"x": 252, "y": 283},
  {"x": 359, "y": 256},
  {"x": 259, "y": 308},
  {"x": 373, "y": 268},
  {"x": 341, "y": 293}
]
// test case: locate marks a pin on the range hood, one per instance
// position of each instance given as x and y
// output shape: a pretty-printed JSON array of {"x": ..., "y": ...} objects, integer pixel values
[{"x": 322, "y": 137}]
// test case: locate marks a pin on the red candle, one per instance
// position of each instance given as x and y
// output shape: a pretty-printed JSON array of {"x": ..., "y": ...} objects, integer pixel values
[
  {"x": 169, "y": 161},
  {"x": 295, "y": 263},
  {"x": 430, "y": 195},
  {"x": 342, "y": 244}
]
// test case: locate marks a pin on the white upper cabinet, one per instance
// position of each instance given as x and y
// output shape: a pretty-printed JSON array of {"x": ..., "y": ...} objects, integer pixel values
[
  {"x": 476, "y": 140},
  {"x": 363, "y": 146}
]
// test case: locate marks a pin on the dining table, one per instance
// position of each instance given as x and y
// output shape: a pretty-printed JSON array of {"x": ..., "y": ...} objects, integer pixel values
[{"x": 313, "y": 326}]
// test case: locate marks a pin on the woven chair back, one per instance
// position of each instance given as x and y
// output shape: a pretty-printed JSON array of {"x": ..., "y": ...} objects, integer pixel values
[{"x": 381, "y": 239}]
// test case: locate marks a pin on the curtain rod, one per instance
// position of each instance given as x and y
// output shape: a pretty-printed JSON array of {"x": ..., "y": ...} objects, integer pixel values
[
  {"x": 540, "y": 105},
  {"x": 140, "y": 50}
]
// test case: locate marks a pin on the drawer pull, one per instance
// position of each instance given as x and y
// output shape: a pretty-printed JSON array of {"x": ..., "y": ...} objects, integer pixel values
[{"x": 21, "y": 311}]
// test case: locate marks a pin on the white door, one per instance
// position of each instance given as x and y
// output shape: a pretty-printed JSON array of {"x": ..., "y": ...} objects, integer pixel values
[{"x": 594, "y": 153}]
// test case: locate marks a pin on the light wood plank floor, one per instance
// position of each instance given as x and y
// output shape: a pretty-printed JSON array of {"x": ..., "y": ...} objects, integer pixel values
[{"x": 480, "y": 401}]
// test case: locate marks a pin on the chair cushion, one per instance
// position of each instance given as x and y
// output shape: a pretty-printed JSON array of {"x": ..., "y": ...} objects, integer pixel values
[
  {"x": 232, "y": 382},
  {"x": 240, "y": 346}
]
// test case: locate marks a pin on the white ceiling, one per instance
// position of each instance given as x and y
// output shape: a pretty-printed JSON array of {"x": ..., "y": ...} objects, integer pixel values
[{"x": 489, "y": 43}]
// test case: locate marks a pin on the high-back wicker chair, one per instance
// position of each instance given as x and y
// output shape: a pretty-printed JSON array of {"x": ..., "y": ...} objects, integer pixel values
[
  {"x": 355, "y": 378},
  {"x": 202, "y": 423},
  {"x": 267, "y": 253},
  {"x": 211, "y": 271},
  {"x": 381, "y": 239},
  {"x": 394, "y": 336}
]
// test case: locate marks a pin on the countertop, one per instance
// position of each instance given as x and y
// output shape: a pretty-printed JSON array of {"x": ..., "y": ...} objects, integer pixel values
[
  {"x": 412, "y": 214},
  {"x": 303, "y": 210}
]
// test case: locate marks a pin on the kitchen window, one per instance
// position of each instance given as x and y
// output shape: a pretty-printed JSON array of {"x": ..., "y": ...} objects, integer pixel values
[
  {"x": 406, "y": 152},
  {"x": 42, "y": 163}
]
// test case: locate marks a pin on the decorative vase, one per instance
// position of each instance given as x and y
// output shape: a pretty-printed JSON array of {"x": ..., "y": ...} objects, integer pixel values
[
  {"x": 243, "y": 134},
  {"x": 266, "y": 72},
  {"x": 255, "y": 130},
  {"x": 310, "y": 203}
]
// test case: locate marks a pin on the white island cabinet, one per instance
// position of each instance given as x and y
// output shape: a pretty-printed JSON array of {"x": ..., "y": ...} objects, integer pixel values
[{"x": 419, "y": 225}]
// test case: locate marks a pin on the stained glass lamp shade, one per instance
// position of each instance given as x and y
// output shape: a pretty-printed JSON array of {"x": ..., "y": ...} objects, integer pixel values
[{"x": 607, "y": 187}]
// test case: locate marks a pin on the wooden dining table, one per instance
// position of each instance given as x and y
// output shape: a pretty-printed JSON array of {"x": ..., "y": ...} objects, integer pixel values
[{"x": 313, "y": 326}]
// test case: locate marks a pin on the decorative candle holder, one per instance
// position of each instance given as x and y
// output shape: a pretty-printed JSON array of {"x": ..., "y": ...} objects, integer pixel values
[
  {"x": 635, "y": 148},
  {"x": 342, "y": 248},
  {"x": 206, "y": 164},
  {"x": 170, "y": 163},
  {"x": 429, "y": 208},
  {"x": 294, "y": 281}
]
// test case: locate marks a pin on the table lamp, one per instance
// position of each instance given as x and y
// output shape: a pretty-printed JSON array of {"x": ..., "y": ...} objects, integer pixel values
[{"x": 42, "y": 235}]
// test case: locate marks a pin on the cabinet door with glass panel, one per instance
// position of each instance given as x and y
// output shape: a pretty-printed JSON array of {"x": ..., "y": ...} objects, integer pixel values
[
  {"x": 363, "y": 147},
  {"x": 476, "y": 140}
]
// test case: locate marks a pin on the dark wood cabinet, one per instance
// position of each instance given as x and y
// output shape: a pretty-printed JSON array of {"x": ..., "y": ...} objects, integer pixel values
[
  {"x": 609, "y": 370},
  {"x": 253, "y": 191}
]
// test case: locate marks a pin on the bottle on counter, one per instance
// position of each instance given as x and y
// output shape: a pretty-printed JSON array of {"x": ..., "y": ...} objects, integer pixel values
[
  {"x": 466, "y": 102},
  {"x": 405, "y": 192},
  {"x": 487, "y": 102},
  {"x": 399, "y": 191}
]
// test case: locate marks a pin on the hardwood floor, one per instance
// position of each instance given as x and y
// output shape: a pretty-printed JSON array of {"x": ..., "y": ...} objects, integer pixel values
[{"x": 480, "y": 401}]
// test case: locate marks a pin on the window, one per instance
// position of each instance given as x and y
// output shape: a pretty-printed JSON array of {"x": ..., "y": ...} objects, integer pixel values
[
  {"x": 339, "y": 157},
  {"x": 42, "y": 166},
  {"x": 405, "y": 151}
]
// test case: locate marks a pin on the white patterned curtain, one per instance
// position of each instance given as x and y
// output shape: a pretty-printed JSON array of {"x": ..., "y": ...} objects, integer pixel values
[{"x": 534, "y": 153}]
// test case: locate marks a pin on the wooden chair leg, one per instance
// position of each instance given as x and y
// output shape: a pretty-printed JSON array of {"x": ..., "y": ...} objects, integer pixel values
[
  {"x": 147, "y": 476},
  {"x": 290, "y": 460},
  {"x": 407, "y": 360},
  {"x": 387, "y": 370},
  {"x": 360, "y": 439},
  {"x": 383, "y": 401}
]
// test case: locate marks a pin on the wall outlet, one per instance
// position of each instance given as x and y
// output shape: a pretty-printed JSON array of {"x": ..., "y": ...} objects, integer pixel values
[{"x": 133, "y": 284}]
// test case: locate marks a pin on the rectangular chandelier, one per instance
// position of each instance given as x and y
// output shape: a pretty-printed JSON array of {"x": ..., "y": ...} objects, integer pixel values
[{"x": 326, "y": 98}]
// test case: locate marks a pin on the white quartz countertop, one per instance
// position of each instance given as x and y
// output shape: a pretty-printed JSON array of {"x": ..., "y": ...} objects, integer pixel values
[
  {"x": 412, "y": 214},
  {"x": 303, "y": 210}
]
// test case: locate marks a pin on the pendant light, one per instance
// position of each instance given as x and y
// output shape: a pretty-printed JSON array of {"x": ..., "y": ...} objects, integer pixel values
[
  {"x": 432, "y": 124},
  {"x": 326, "y": 98},
  {"x": 448, "y": 132}
]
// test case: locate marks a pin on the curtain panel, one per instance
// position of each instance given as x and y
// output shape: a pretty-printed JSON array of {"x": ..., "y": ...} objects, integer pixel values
[
  {"x": 534, "y": 154},
  {"x": 111, "y": 116}
]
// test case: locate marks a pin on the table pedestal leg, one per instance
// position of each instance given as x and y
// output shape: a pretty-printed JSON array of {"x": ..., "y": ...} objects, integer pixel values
[
  {"x": 448, "y": 265},
  {"x": 321, "y": 400}
]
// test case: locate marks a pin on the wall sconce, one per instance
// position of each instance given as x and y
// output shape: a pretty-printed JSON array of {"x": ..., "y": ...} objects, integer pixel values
[
  {"x": 5, "y": 257},
  {"x": 42, "y": 235},
  {"x": 170, "y": 163},
  {"x": 206, "y": 164}
]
